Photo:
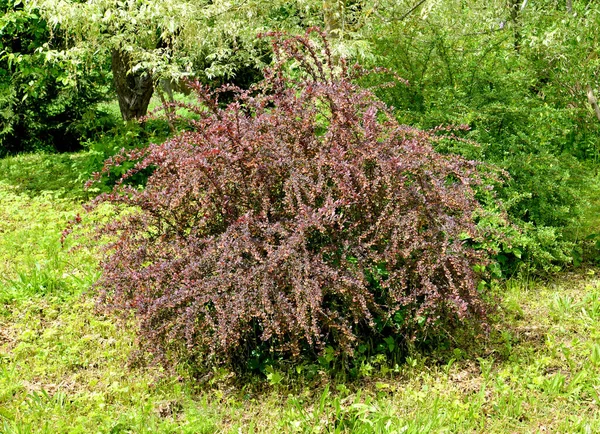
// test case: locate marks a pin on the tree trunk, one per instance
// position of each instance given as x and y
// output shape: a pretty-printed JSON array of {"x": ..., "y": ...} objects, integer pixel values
[
  {"x": 333, "y": 11},
  {"x": 592, "y": 100},
  {"x": 134, "y": 90},
  {"x": 513, "y": 6}
]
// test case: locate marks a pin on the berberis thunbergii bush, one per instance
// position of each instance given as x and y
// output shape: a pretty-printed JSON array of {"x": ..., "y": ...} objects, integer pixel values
[{"x": 300, "y": 215}]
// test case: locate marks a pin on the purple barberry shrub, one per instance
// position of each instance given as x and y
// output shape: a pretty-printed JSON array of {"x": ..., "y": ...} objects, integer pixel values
[{"x": 300, "y": 215}]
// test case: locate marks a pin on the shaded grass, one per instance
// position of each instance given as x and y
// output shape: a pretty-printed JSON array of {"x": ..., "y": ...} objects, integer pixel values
[
  {"x": 48, "y": 175},
  {"x": 65, "y": 367}
]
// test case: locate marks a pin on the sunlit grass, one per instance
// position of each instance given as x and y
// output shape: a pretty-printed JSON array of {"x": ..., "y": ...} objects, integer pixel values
[{"x": 66, "y": 368}]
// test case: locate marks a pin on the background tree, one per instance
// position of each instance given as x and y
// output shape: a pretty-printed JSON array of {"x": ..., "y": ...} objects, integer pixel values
[
  {"x": 44, "y": 101},
  {"x": 207, "y": 40}
]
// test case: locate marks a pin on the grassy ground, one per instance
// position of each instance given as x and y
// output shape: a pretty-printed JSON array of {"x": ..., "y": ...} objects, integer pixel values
[{"x": 64, "y": 367}]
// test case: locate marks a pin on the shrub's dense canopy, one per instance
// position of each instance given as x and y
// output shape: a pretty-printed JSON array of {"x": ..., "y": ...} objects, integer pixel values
[{"x": 300, "y": 215}]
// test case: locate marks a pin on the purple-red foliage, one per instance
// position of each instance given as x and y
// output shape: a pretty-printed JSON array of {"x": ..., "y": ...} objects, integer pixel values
[{"x": 271, "y": 219}]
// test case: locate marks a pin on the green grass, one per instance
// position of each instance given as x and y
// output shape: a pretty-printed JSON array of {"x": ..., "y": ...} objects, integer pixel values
[
  {"x": 47, "y": 175},
  {"x": 67, "y": 368}
]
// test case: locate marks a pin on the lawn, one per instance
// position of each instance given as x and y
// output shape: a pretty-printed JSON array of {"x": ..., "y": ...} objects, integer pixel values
[{"x": 66, "y": 367}]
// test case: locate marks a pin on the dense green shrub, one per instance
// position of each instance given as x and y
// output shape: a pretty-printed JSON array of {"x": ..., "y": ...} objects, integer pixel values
[
  {"x": 526, "y": 116},
  {"x": 122, "y": 137},
  {"x": 300, "y": 216},
  {"x": 44, "y": 105}
]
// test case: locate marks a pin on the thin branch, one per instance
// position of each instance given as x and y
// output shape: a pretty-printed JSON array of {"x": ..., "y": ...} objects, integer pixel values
[
  {"x": 501, "y": 27},
  {"x": 403, "y": 17},
  {"x": 411, "y": 10}
]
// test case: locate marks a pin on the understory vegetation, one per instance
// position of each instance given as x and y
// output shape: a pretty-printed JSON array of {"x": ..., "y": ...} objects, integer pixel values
[{"x": 309, "y": 216}]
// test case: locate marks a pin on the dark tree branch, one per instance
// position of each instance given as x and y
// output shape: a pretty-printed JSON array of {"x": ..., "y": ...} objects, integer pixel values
[
  {"x": 414, "y": 8},
  {"x": 405, "y": 15}
]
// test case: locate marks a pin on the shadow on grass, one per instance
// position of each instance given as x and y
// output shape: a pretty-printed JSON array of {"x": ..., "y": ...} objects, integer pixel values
[{"x": 62, "y": 175}]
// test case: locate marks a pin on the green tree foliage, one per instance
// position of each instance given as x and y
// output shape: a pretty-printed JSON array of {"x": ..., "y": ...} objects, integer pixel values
[
  {"x": 44, "y": 103},
  {"x": 213, "y": 41},
  {"x": 517, "y": 74}
]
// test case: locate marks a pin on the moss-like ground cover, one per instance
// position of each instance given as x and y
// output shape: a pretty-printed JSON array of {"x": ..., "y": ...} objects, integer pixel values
[{"x": 65, "y": 367}]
